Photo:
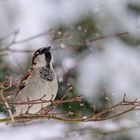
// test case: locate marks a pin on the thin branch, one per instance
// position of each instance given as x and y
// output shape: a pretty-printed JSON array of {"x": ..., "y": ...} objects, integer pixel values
[
  {"x": 87, "y": 41},
  {"x": 8, "y": 108},
  {"x": 119, "y": 114},
  {"x": 39, "y": 101},
  {"x": 8, "y": 35},
  {"x": 50, "y": 31},
  {"x": 97, "y": 117}
]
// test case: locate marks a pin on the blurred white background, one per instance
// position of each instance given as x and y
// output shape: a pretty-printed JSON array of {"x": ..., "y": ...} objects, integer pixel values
[{"x": 111, "y": 66}]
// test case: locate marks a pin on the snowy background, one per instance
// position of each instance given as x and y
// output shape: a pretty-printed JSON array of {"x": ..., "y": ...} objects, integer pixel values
[{"x": 110, "y": 66}]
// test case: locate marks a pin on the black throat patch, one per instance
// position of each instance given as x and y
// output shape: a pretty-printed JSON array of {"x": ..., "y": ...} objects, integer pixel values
[{"x": 47, "y": 73}]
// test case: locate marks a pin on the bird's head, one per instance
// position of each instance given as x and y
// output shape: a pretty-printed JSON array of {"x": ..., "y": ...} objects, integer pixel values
[{"x": 42, "y": 57}]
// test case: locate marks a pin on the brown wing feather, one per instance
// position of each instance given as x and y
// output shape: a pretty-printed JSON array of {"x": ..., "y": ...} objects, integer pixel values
[{"x": 23, "y": 80}]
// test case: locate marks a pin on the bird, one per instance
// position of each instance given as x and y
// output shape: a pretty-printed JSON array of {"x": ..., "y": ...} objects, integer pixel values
[{"x": 40, "y": 82}]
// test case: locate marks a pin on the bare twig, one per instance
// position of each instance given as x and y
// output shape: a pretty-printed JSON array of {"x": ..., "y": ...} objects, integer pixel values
[
  {"x": 40, "y": 101},
  {"x": 8, "y": 108},
  {"x": 97, "y": 117},
  {"x": 8, "y": 35},
  {"x": 87, "y": 41},
  {"x": 50, "y": 31}
]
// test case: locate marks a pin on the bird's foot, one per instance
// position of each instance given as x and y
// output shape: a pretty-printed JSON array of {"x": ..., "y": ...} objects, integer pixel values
[{"x": 45, "y": 110}]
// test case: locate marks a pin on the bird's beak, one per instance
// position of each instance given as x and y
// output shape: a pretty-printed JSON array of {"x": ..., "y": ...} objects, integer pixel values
[{"x": 49, "y": 48}]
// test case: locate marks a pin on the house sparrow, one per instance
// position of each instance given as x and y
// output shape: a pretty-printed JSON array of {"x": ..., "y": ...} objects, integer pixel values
[{"x": 39, "y": 82}]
